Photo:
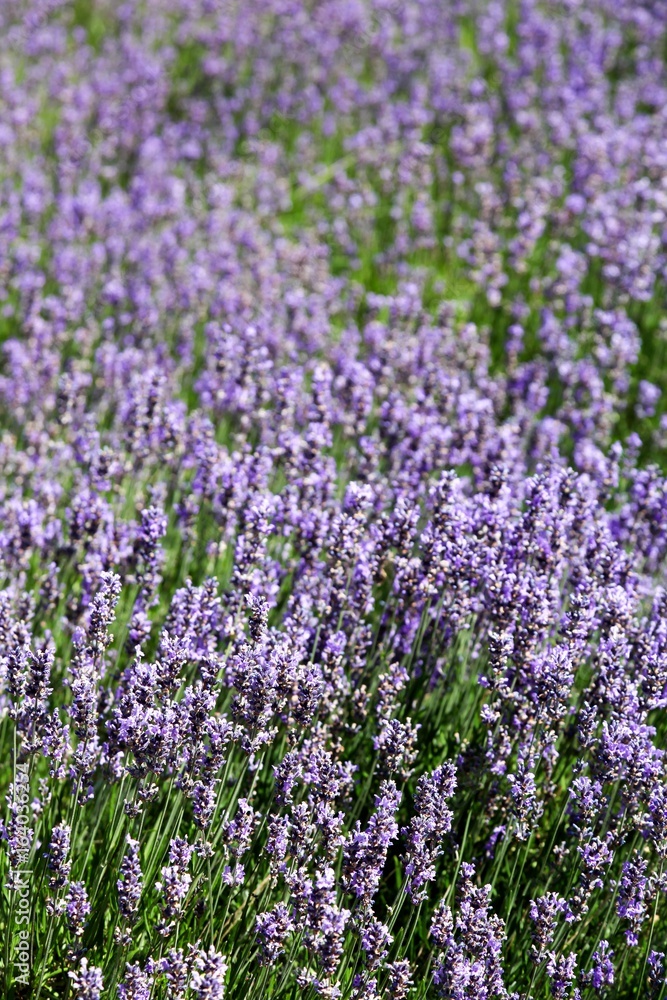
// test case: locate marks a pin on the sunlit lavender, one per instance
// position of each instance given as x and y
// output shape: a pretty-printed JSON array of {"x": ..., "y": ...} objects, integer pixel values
[{"x": 333, "y": 509}]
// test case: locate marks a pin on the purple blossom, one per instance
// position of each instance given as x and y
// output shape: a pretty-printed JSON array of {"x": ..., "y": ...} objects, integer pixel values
[
  {"x": 174, "y": 883},
  {"x": 470, "y": 960},
  {"x": 209, "y": 974},
  {"x": 87, "y": 981},
  {"x": 561, "y": 970},
  {"x": 429, "y": 826},
  {"x": 77, "y": 907},
  {"x": 129, "y": 884},
  {"x": 272, "y": 930},
  {"x": 602, "y": 973},
  {"x": 58, "y": 860},
  {"x": 633, "y": 896},
  {"x": 136, "y": 985},
  {"x": 365, "y": 852}
]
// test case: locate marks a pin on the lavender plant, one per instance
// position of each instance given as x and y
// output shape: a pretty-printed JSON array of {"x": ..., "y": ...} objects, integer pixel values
[{"x": 333, "y": 511}]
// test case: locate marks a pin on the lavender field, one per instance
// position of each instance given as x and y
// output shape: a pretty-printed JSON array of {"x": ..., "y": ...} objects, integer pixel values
[{"x": 333, "y": 499}]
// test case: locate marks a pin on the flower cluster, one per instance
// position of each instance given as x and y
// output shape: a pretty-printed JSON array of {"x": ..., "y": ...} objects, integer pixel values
[{"x": 333, "y": 506}]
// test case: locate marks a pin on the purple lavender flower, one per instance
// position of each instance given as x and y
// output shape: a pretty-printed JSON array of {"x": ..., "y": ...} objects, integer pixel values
[
  {"x": 470, "y": 963},
  {"x": 365, "y": 852},
  {"x": 87, "y": 981},
  {"x": 58, "y": 861},
  {"x": 129, "y": 884},
  {"x": 428, "y": 827},
  {"x": 175, "y": 882},
  {"x": 136, "y": 985},
  {"x": 259, "y": 614},
  {"x": 400, "y": 980},
  {"x": 602, "y": 973},
  {"x": 272, "y": 930},
  {"x": 209, "y": 974},
  {"x": 77, "y": 908},
  {"x": 395, "y": 745},
  {"x": 633, "y": 895},
  {"x": 545, "y": 912},
  {"x": 561, "y": 970},
  {"x": 175, "y": 968},
  {"x": 376, "y": 940},
  {"x": 239, "y": 831},
  {"x": 656, "y": 969}
]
